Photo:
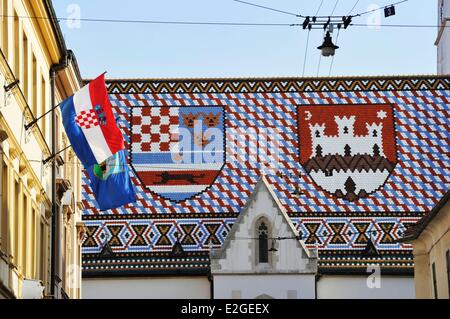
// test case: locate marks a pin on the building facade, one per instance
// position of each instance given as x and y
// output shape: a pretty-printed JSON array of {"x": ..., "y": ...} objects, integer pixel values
[
  {"x": 443, "y": 37},
  {"x": 353, "y": 162},
  {"x": 431, "y": 243},
  {"x": 30, "y": 50},
  {"x": 245, "y": 266}
]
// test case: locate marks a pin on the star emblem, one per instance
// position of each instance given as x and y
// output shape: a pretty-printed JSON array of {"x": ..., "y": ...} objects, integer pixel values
[{"x": 381, "y": 115}]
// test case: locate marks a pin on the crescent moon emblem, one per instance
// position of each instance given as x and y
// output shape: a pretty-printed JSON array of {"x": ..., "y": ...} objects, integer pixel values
[{"x": 308, "y": 115}]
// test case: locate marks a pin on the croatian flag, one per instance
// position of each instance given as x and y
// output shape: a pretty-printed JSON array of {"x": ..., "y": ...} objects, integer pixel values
[{"x": 90, "y": 124}]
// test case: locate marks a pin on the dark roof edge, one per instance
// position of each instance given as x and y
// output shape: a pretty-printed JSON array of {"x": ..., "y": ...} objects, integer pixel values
[
  {"x": 54, "y": 20},
  {"x": 60, "y": 39},
  {"x": 75, "y": 67},
  {"x": 387, "y": 271},
  {"x": 140, "y": 273},
  {"x": 203, "y": 272},
  {"x": 414, "y": 232}
]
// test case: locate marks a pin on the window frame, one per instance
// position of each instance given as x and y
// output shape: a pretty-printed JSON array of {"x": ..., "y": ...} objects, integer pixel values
[
  {"x": 447, "y": 255},
  {"x": 434, "y": 280},
  {"x": 256, "y": 243}
]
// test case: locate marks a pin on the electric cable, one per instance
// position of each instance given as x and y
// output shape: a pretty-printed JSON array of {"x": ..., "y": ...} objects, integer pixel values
[
  {"x": 306, "y": 53},
  {"x": 353, "y": 8},
  {"x": 268, "y": 8},
  {"x": 332, "y": 59}
]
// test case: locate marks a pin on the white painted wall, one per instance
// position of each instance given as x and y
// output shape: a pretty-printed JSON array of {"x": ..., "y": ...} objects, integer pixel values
[
  {"x": 355, "y": 287},
  {"x": 146, "y": 288},
  {"x": 290, "y": 271},
  {"x": 276, "y": 286},
  {"x": 240, "y": 249},
  {"x": 443, "y": 40}
]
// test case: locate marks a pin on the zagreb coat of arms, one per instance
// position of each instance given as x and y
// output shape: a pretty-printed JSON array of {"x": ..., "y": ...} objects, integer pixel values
[{"x": 349, "y": 151}]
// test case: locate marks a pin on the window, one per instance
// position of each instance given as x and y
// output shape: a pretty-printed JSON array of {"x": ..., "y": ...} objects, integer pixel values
[
  {"x": 58, "y": 134},
  {"x": 5, "y": 27},
  {"x": 43, "y": 106},
  {"x": 42, "y": 251},
  {"x": 34, "y": 80},
  {"x": 64, "y": 256},
  {"x": 263, "y": 243},
  {"x": 447, "y": 255},
  {"x": 433, "y": 270},
  {"x": 4, "y": 211},
  {"x": 25, "y": 235},
  {"x": 34, "y": 243},
  {"x": 16, "y": 45},
  {"x": 15, "y": 221},
  {"x": 25, "y": 68}
]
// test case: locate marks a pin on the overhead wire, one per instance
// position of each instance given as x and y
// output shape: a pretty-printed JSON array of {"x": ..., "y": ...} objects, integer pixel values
[
  {"x": 211, "y": 23},
  {"x": 379, "y": 8},
  {"x": 269, "y": 8},
  {"x": 332, "y": 59},
  {"x": 353, "y": 8},
  {"x": 100, "y": 20},
  {"x": 334, "y": 8},
  {"x": 320, "y": 6},
  {"x": 306, "y": 53},
  {"x": 320, "y": 56},
  {"x": 370, "y": 232}
]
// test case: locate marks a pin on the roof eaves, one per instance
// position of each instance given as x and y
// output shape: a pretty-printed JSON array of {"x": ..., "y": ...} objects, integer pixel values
[{"x": 415, "y": 231}]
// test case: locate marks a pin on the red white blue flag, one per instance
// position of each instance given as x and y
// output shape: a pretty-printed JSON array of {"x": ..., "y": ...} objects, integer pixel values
[{"x": 90, "y": 124}]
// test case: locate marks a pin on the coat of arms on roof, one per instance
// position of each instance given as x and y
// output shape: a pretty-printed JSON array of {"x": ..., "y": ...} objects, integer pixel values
[
  {"x": 177, "y": 152},
  {"x": 349, "y": 151}
]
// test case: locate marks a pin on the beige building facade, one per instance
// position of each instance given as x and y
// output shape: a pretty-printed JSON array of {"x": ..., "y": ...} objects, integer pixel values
[
  {"x": 443, "y": 37},
  {"x": 29, "y": 83},
  {"x": 431, "y": 243}
]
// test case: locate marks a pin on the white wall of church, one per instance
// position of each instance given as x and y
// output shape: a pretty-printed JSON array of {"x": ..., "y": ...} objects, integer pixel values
[
  {"x": 272, "y": 286},
  {"x": 355, "y": 287},
  {"x": 241, "y": 255},
  {"x": 147, "y": 288}
]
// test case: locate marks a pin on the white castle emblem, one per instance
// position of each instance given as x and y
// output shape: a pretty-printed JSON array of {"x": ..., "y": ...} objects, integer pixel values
[
  {"x": 348, "y": 166},
  {"x": 346, "y": 143}
]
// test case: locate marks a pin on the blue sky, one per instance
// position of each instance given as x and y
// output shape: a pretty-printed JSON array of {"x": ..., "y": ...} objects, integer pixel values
[{"x": 167, "y": 51}]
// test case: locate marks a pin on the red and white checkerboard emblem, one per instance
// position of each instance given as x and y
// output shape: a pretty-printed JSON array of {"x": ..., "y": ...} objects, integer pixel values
[
  {"x": 87, "y": 119},
  {"x": 177, "y": 152}
]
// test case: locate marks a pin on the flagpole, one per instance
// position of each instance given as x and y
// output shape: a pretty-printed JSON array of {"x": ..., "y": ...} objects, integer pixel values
[
  {"x": 29, "y": 125},
  {"x": 48, "y": 159}
]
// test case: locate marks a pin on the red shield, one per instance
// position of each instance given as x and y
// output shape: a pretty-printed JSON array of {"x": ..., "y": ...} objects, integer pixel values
[{"x": 349, "y": 151}]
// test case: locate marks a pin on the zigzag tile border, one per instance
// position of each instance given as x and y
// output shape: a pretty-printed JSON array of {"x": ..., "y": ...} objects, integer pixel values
[
  {"x": 200, "y": 234},
  {"x": 156, "y": 86}
]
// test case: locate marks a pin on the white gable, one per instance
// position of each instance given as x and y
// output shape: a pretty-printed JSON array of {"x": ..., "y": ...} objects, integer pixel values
[{"x": 239, "y": 252}]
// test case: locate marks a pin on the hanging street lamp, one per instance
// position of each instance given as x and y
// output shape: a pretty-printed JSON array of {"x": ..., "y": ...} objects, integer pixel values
[{"x": 328, "y": 48}]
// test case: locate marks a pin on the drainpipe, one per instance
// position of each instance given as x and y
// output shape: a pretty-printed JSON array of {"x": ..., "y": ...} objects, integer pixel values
[
  {"x": 317, "y": 278},
  {"x": 211, "y": 285},
  {"x": 55, "y": 248}
]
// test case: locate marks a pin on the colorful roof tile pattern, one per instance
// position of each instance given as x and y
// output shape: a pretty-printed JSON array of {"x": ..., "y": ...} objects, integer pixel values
[{"x": 351, "y": 159}]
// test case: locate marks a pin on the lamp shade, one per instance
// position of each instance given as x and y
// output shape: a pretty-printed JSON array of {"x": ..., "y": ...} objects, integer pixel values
[{"x": 328, "y": 48}]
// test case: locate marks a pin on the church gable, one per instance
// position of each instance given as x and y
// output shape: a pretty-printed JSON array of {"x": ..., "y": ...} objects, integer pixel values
[{"x": 263, "y": 240}]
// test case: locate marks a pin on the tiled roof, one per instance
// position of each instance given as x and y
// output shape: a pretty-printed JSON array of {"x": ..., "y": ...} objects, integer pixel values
[{"x": 411, "y": 120}]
